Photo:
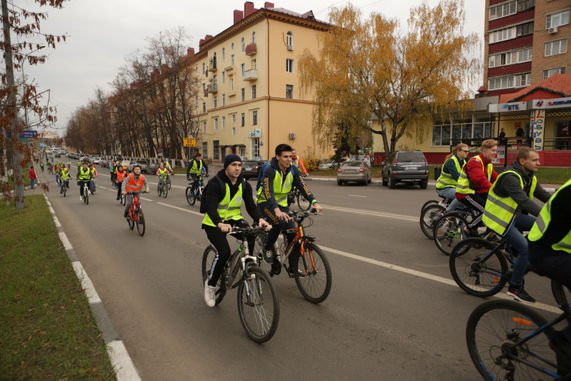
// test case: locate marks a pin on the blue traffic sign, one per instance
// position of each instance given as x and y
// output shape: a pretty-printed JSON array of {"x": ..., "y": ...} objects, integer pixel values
[{"x": 28, "y": 134}]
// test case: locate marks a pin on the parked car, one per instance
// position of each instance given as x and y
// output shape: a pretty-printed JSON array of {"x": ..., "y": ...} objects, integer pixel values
[
  {"x": 96, "y": 160},
  {"x": 250, "y": 169},
  {"x": 144, "y": 165},
  {"x": 405, "y": 166},
  {"x": 153, "y": 166},
  {"x": 327, "y": 164},
  {"x": 354, "y": 171}
]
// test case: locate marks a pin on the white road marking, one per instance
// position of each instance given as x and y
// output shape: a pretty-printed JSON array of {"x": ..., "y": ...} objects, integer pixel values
[
  {"x": 146, "y": 199},
  {"x": 121, "y": 361},
  {"x": 370, "y": 213},
  {"x": 86, "y": 283},
  {"x": 56, "y": 221},
  {"x": 357, "y": 195},
  {"x": 420, "y": 274},
  {"x": 153, "y": 183},
  {"x": 65, "y": 241},
  {"x": 181, "y": 209}
]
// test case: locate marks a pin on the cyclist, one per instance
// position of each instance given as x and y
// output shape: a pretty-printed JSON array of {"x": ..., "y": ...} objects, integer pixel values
[
  {"x": 298, "y": 163},
  {"x": 163, "y": 174},
  {"x": 113, "y": 166},
  {"x": 277, "y": 181},
  {"x": 225, "y": 194},
  {"x": 92, "y": 182},
  {"x": 64, "y": 178},
  {"x": 550, "y": 254},
  {"x": 512, "y": 195},
  {"x": 84, "y": 176},
  {"x": 120, "y": 175},
  {"x": 195, "y": 169},
  {"x": 167, "y": 164},
  {"x": 449, "y": 174},
  {"x": 134, "y": 182},
  {"x": 477, "y": 177}
]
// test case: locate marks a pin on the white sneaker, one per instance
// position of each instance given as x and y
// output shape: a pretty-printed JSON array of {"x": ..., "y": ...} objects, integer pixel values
[
  {"x": 209, "y": 294},
  {"x": 80, "y": 198}
]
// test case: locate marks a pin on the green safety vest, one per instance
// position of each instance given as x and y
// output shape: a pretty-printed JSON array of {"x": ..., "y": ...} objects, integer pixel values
[
  {"x": 542, "y": 224},
  {"x": 500, "y": 211},
  {"x": 463, "y": 186},
  {"x": 196, "y": 169},
  {"x": 228, "y": 209},
  {"x": 65, "y": 175},
  {"x": 85, "y": 175},
  {"x": 163, "y": 172},
  {"x": 445, "y": 180},
  {"x": 281, "y": 189}
]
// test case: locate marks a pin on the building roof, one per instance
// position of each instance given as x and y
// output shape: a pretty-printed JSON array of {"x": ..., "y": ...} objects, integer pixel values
[{"x": 556, "y": 86}]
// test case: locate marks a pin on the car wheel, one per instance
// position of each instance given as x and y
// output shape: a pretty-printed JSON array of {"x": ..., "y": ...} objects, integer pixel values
[
  {"x": 391, "y": 183},
  {"x": 369, "y": 180},
  {"x": 339, "y": 182},
  {"x": 384, "y": 181},
  {"x": 424, "y": 184}
]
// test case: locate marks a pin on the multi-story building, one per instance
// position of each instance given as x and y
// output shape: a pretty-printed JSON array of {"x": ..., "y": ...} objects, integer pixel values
[
  {"x": 526, "y": 41},
  {"x": 250, "y": 97}
]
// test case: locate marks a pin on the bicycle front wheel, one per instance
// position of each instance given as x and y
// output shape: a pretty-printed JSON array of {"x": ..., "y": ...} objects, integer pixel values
[
  {"x": 130, "y": 221},
  {"x": 140, "y": 223},
  {"x": 313, "y": 275},
  {"x": 493, "y": 335},
  {"x": 303, "y": 204},
  {"x": 190, "y": 197},
  {"x": 165, "y": 191},
  {"x": 448, "y": 231},
  {"x": 428, "y": 215},
  {"x": 477, "y": 269},
  {"x": 258, "y": 305},
  {"x": 208, "y": 258},
  {"x": 429, "y": 202}
]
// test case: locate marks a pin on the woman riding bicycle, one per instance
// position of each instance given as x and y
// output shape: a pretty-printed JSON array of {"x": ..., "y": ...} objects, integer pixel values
[
  {"x": 225, "y": 194},
  {"x": 450, "y": 171}
]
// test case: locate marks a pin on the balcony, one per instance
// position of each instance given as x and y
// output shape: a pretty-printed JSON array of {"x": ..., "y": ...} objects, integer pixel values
[
  {"x": 206, "y": 91},
  {"x": 251, "y": 49},
  {"x": 251, "y": 75},
  {"x": 212, "y": 65},
  {"x": 213, "y": 88},
  {"x": 231, "y": 93},
  {"x": 230, "y": 67}
]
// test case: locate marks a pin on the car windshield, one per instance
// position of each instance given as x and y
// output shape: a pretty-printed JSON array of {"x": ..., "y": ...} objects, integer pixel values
[
  {"x": 408, "y": 157},
  {"x": 249, "y": 163},
  {"x": 351, "y": 164}
]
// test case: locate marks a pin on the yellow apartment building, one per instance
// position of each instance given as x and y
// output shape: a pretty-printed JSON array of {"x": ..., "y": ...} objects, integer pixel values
[{"x": 250, "y": 98}]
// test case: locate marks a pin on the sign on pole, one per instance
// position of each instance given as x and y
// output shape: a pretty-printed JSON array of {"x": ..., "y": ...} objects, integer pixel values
[
  {"x": 538, "y": 127},
  {"x": 28, "y": 134}
]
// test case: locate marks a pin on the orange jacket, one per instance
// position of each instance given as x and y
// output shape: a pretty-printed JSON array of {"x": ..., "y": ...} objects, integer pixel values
[
  {"x": 132, "y": 185},
  {"x": 120, "y": 176}
]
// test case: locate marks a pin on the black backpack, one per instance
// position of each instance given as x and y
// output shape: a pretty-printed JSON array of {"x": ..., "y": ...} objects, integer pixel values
[{"x": 222, "y": 185}]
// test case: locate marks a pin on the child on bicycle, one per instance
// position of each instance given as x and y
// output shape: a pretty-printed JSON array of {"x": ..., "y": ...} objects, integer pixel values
[
  {"x": 163, "y": 173},
  {"x": 134, "y": 182},
  {"x": 225, "y": 194}
]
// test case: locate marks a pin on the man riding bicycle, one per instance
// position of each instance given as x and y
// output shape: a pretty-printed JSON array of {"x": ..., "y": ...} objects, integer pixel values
[
  {"x": 64, "y": 178},
  {"x": 511, "y": 195},
  {"x": 163, "y": 174},
  {"x": 225, "y": 194},
  {"x": 84, "y": 176},
  {"x": 277, "y": 181},
  {"x": 195, "y": 169},
  {"x": 550, "y": 254},
  {"x": 449, "y": 174},
  {"x": 133, "y": 183}
]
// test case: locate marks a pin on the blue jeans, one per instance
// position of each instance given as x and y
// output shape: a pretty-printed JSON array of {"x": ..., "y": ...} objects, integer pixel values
[
  {"x": 32, "y": 183},
  {"x": 513, "y": 235},
  {"x": 449, "y": 194}
]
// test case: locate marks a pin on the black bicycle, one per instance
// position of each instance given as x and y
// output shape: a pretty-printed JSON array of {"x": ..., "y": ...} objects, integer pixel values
[
  {"x": 162, "y": 188},
  {"x": 194, "y": 190},
  {"x": 258, "y": 303},
  {"x": 455, "y": 226},
  {"x": 295, "y": 197},
  {"x": 431, "y": 211},
  {"x": 510, "y": 341}
]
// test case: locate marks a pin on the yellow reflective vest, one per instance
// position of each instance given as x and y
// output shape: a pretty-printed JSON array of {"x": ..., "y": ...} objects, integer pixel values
[
  {"x": 445, "y": 180},
  {"x": 463, "y": 186},
  {"x": 542, "y": 224},
  {"x": 281, "y": 188},
  {"x": 500, "y": 211},
  {"x": 228, "y": 209}
]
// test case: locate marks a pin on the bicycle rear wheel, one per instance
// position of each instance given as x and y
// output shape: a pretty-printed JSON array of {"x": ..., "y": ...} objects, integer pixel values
[
  {"x": 476, "y": 269},
  {"x": 313, "y": 275},
  {"x": 190, "y": 197},
  {"x": 428, "y": 215},
  {"x": 258, "y": 305},
  {"x": 448, "y": 231},
  {"x": 208, "y": 259},
  {"x": 165, "y": 191},
  {"x": 493, "y": 331},
  {"x": 429, "y": 202},
  {"x": 159, "y": 190},
  {"x": 140, "y": 222}
]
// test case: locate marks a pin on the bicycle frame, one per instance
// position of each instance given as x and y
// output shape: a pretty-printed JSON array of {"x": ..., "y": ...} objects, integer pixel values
[
  {"x": 238, "y": 261},
  {"x": 134, "y": 205},
  {"x": 300, "y": 239}
]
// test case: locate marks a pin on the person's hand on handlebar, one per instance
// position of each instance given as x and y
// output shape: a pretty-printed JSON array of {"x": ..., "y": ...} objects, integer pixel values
[
  {"x": 264, "y": 224},
  {"x": 316, "y": 208},
  {"x": 281, "y": 215},
  {"x": 224, "y": 228}
]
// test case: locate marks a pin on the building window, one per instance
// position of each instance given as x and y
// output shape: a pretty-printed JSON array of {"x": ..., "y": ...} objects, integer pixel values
[
  {"x": 502, "y": 35},
  {"x": 242, "y": 119},
  {"x": 242, "y": 151},
  {"x": 232, "y": 59},
  {"x": 503, "y": 10},
  {"x": 215, "y": 101},
  {"x": 216, "y": 149},
  {"x": 523, "y": 5},
  {"x": 223, "y": 54},
  {"x": 243, "y": 94},
  {"x": 253, "y": 91},
  {"x": 253, "y": 37},
  {"x": 223, "y": 122},
  {"x": 550, "y": 72},
  {"x": 216, "y": 123},
  {"x": 512, "y": 57},
  {"x": 255, "y": 148},
  {"x": 522, "y": 80},
  {"x": 223, "y": 100},
  {"x": 243, "y": 68},
  {"x": 232, "y": 46},
  {"x": 555, "y": 47},
  {"x": 203, "y": 68},
  {"x": 204, "y": 126},
  {"x": 446, "y": 134},
  {"x": 205, "y": 150},
  {"x": 231, "y": 84},
  {"x": 242, "y": 44},
  {"x": 509, "y": 81},
  {"x": 289, "y": 40},
  {"x": 253, "y": 64},
  {"x": 223, "y": 77},
  {"x": 203, "y": 106},
  {"x": 557, "y": 19},
  {"x": 289, "y": 65},
  {"x": 233, "y": 130},
  {"x": 524, "y": 29},
  {"x": 289, "y": 91},
  {"x": 255, "y": 118},
  {"x": 233, "y": 119}
]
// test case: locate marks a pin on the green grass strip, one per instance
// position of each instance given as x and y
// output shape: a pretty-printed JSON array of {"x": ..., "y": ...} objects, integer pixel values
[{"x": 47, "y": 331}]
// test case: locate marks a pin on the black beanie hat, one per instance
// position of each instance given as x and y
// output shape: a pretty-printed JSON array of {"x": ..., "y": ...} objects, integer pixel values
[{"x": 229, "y": 159}]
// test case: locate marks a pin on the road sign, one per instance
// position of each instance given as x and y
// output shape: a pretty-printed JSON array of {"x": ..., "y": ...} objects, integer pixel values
[
  {"x": 28, "y": 134},
  {"x": 189, "y": 142}
]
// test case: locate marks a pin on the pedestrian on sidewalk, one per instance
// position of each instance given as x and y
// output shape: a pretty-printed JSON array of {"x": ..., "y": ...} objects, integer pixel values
[{"x": 33, "y": 177}]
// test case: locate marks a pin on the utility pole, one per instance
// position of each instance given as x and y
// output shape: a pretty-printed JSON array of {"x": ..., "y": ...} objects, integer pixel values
[{"x": 12, "y": 110}]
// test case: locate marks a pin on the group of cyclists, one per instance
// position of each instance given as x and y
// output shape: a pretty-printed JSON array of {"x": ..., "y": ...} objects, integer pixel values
[{"x": 508, "y": 208}]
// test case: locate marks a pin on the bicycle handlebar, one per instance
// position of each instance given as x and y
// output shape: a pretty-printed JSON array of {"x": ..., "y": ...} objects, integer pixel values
[
  {"x": 299, "y": 216},
  {"x": 248, "y": 231}
]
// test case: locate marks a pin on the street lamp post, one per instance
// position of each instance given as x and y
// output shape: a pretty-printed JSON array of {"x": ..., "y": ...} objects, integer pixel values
[{"x": 24, "y": 81}]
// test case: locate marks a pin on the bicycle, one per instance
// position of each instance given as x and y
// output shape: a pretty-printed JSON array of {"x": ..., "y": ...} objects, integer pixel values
[
  {"x": 63, "y": 187},
  {"x": 135, "y": 214},
  {"x": 257, "y": 297},
  {"x": 84, "y": 190},
  {"x": 454, "y": 227},
  {"x": 430, "y": 211},
  {"x": 311, "y": 262},
  {"x": 510, "y": 341},
  {"x": 295, "y": 197},
  {"x": 194, "y": 190},
  {"x": 162, "y": 188}
]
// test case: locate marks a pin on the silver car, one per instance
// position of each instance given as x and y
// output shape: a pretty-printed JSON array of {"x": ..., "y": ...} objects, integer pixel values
[{"x": 354, "y": 170}]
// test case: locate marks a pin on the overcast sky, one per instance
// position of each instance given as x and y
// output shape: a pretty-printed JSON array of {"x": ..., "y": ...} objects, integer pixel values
[{"x": 102, "y": 33}]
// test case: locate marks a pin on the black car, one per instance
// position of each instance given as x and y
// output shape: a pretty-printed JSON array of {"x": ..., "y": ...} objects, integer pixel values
[
  {"x": 405, "y": 166},
  {"x": 250, "y": 169}
]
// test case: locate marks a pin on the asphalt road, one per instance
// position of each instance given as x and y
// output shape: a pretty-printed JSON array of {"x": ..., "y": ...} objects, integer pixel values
[{"x": 393, "y": 313}]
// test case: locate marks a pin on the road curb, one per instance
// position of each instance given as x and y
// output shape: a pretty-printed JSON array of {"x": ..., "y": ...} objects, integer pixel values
[{"x": 120, "y": 360}]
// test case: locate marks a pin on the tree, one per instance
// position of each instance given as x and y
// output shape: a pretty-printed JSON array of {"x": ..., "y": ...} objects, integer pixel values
[
  {"x": 26, "y": 25},
  {"x": 367, "y": 70}
]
